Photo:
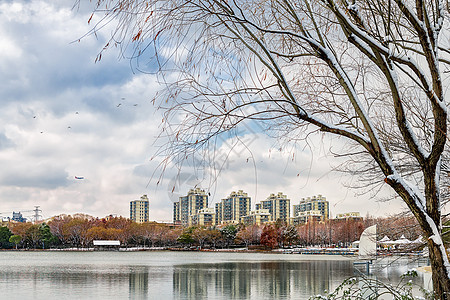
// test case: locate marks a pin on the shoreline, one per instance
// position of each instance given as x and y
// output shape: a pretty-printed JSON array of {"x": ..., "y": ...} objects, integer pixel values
[
  {"x": 174, "y": 249},
  {"x": 347, "y": 252},
  {"x": 350, "y": 253}
]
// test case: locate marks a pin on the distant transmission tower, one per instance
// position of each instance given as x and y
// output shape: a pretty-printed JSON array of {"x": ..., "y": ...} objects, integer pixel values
[{"x": 36, "y": 213}]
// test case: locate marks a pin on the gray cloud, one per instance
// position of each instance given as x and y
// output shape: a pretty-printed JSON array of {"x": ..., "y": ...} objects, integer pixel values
[{"x": 35, "y": 175}]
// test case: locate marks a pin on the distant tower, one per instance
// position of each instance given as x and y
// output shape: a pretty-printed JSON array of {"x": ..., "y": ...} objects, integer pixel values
[
  {"x": 36, "y": 213},
  {"x": 139, "y": 210}
]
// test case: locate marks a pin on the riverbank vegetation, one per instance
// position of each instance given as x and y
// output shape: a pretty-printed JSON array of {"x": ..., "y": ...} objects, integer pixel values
[{"x": 80, "y": 230}]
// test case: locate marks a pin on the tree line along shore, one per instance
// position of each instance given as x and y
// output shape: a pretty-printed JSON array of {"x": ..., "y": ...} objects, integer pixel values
[{"x": 80, "y": 230}]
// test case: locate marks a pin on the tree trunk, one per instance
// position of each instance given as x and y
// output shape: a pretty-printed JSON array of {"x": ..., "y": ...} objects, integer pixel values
[
  {"x": 441, "y": 280},
  {"x": 437, "y": 253}
]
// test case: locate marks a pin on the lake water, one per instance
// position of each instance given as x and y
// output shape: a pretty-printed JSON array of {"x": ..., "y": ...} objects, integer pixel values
[{"x": 175, "y": 275}]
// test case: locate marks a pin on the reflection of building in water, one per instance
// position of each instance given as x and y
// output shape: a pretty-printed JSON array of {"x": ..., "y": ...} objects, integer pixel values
[
  {"x": 198, "y": 281},
  {"x": 272, "y": 280},
  {"x": 191, "y": 282},
  {"x": 296, "y": 280},
  {"x": 313, "y": 277},
  {"x": 233, "y": 279},
  {"x": 138, "y": 285},
  {"x": 258, "y": 280},
  {"x": 240, "y": 280}
]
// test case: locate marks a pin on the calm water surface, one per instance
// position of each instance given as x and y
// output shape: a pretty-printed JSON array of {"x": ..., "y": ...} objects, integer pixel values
[{"x": 174, "y": 275}]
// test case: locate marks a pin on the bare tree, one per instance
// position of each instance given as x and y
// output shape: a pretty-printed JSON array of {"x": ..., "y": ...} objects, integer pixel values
[
  {"x": 250, "y": 235},
  {"x": 373, "y": 72}
]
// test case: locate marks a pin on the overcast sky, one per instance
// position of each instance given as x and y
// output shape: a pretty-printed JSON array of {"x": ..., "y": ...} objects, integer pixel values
[{"x": 64, "y": 116}]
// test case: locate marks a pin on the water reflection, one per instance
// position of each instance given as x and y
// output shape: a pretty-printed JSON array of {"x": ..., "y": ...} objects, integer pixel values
[
  {"x": 138, "y": 285},
  {"x": 240, "y": 280},
  {"x": 167, "y": 275}
]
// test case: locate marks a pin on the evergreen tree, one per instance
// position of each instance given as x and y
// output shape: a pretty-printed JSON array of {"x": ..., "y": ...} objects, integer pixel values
[{"x": 5, "y": 234}]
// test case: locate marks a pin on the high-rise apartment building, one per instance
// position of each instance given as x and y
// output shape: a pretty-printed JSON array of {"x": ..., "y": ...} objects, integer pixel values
[
  {"x": 190, "y": 204},
  {"x": 17, "y": 216},
  {"x": 314, "y": 203},
  {"x": 204, "y": 217},
  {"x": 279, "y": 207},
  {"x": 231, "y": 209},
  {"x": 303, "y": 217},
  {"x": 349, "y": 216},
  {"x": 139, "y": 210},
  {"x": 257, "y": 217}
]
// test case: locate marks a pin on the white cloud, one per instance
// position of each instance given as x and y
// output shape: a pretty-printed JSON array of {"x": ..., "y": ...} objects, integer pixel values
[{"x": 64, "y": 116}]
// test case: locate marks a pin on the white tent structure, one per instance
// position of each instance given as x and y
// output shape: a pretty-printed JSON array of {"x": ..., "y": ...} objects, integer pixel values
[
  {"x": 402, "y": 241},
  {"x": 400, "y": 244},
  {"x": 369, "y": 243},
  {"x": 384, "y": 239}
]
